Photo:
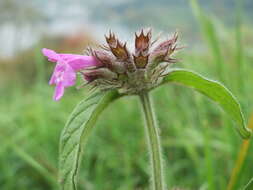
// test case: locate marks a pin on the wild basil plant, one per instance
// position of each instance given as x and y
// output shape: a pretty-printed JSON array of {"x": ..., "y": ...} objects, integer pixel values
[{"x": 116, "y": 72}]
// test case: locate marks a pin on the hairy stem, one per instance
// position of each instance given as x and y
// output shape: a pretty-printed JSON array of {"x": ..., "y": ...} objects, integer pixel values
[{"x": 152, "y": 132}]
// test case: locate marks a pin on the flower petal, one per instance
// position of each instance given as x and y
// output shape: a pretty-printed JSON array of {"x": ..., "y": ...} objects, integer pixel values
[
  {"x": 64, "y": 74},
  {"x": 82, "y": 62},
  {"x": 69, "y": 76},
  {"x": 68, "y": 56},
  {"x": 52, "y": 79},
  {"x": 59, "y": 68},
  {"x": 59, "y": 91},
  {"x": 51, "y": 55}
]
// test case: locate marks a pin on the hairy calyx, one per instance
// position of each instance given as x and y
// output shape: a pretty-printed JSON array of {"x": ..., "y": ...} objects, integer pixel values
[{"x": 132, "y": 72}]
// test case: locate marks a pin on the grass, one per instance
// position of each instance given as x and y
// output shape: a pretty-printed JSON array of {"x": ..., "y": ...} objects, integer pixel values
[
  {"x": 199, "y": 142},
  {"x": 240, "y": 159}
]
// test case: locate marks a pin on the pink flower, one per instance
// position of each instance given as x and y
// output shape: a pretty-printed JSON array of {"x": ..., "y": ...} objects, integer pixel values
[{"x": 64, "y": 74}]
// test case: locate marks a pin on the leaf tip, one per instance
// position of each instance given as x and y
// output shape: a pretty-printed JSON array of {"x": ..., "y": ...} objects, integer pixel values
[{"x": 246, "y": 133}]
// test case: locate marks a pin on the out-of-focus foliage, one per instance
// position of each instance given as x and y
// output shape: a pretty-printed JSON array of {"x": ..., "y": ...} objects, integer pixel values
[{"x": 18, "y": 12}]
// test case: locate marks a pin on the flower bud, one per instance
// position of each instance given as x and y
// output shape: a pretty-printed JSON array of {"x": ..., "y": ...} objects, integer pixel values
[
  {"x": 142, "y": 42},
  {"x": 141, "y": 60},
  {"x": 94, "y": 74}
]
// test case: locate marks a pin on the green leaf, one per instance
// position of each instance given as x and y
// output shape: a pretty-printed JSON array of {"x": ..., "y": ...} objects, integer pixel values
[
  {"x": 215, "y": 91},
  {"x": 76, "y": 133}
]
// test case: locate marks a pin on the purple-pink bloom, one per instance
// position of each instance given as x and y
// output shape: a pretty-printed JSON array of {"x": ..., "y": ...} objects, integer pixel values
[{"x": 64, "y": 74}]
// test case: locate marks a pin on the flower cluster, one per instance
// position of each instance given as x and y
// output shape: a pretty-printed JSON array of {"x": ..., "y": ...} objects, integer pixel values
[{"x": 113, "y": 66}]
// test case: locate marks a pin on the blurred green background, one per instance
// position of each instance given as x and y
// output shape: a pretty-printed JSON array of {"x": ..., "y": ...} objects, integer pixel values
[{"x": 199, "y": 141}]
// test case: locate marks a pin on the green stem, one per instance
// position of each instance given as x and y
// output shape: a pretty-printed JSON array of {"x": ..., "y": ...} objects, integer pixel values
[{"x": 152, "y": 132}]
